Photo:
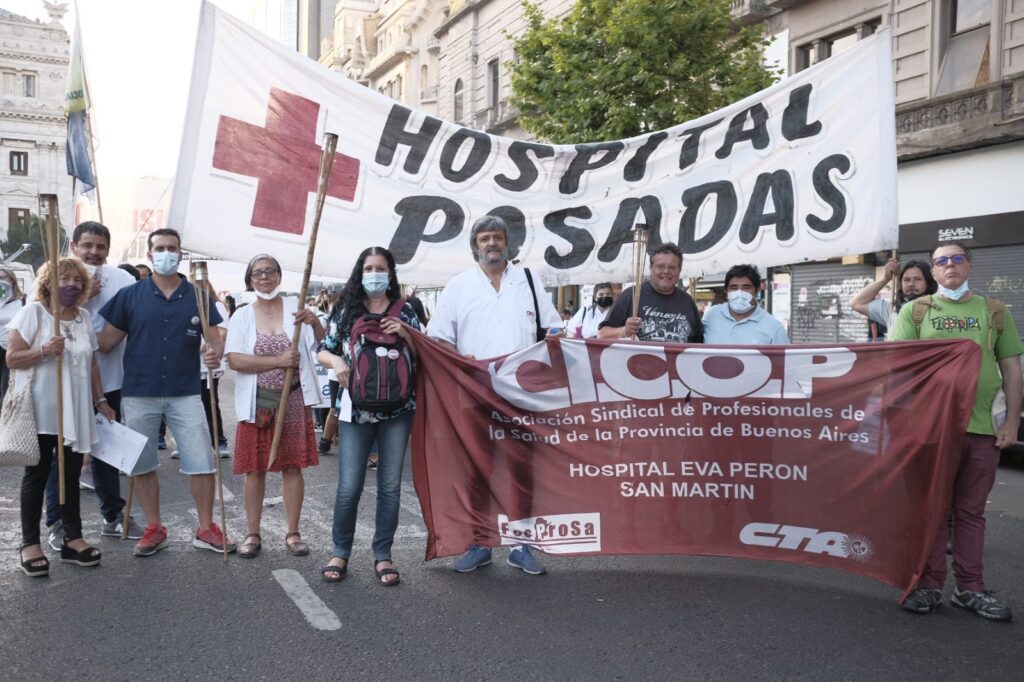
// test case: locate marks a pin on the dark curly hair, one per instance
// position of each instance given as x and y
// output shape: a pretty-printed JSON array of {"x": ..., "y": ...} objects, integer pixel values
[{"x": 351, "y": 303}]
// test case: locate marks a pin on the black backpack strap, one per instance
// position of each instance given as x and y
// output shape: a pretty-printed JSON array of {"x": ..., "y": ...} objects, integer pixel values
[{"x": 536, "y": 305}]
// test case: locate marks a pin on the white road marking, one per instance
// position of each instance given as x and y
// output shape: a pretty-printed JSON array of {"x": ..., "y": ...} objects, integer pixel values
[{"x": 311, "y": 606}]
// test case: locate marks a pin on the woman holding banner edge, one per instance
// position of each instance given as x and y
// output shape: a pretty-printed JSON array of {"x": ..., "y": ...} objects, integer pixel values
[{"x": 373, "y": 289}]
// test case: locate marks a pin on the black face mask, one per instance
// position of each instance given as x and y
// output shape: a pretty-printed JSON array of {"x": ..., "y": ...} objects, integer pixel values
[
  {"x": 910, "y": 297},
  {"x": 604, "y": 301}
]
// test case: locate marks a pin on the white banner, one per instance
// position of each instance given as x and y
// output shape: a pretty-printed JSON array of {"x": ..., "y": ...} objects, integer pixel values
[{"x": 803, "y": 170}]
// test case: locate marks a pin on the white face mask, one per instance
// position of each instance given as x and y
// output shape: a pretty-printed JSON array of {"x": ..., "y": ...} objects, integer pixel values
[
  {"x": 740, "y": 301},
  {"x": 953, "y": 294},
  {"x": 270, "y": 295}
]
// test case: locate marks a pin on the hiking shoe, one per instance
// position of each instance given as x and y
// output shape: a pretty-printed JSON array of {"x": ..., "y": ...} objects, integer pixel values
[
  {"x": 56, "y": 537},
  {"x": 174, "y": 454},
  {"x": 523, "y": 559},
  {"x": 323, "y": 447},
  {"x": 112, "y": 529},
  {"x": 982, "y": 603},
  {"x": 223, "y": 450},
  {"x": 154, "y": 538},
  {"x": 212, "y": 539},
  {"x": 475, "y": 557},
  {"x": 923, "y": 600}
]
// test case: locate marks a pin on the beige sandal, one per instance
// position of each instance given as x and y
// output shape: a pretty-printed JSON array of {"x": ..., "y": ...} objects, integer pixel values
[{"x": 297, "y": 548}]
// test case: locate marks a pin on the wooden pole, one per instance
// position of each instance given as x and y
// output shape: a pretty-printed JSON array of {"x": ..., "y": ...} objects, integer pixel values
[
  {"x": 326, "y": 162},
  {"x": 894, "y": 254},
  {"x": 52, "y": 226},
  {"x": 199, "y": 285},
  {"x": 640, "y": 234}
]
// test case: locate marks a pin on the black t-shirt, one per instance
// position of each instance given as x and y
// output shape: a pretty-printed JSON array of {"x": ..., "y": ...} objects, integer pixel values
[{"x": 671, "y": 318}]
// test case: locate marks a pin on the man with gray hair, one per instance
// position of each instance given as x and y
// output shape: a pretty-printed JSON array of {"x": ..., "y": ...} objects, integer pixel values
[{"x": 493, "y": 309}]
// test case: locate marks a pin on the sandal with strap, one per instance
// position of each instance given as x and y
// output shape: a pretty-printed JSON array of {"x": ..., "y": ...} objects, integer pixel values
[
  {"x": 90, "y": 556},
  {"x": 37, "y": 567},
  {"x": 297, "y": 548},
  {"x": 334, "y": 574},
  {"x": 382, "y": 572},
  {"x": 249, "y": 550}
]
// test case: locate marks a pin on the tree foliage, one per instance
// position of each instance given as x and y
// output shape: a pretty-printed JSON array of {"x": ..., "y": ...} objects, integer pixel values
[
  {"x": 31, "y": 232},
  {"x": 613, "y": 69}
]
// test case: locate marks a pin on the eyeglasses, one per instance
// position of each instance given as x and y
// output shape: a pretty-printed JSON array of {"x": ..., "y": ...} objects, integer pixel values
[
  {"x": 955, "y": 259},
  {"x": 260, "y": 274}
]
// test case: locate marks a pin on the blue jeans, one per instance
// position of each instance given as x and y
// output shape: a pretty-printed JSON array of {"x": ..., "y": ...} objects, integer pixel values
[
  {"x": 105, "y": 477},
  {"x": 392, "y": 436}
]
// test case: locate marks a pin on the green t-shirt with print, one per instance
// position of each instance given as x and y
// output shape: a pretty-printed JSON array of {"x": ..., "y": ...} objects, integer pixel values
[{"x": 966, "y": 320}]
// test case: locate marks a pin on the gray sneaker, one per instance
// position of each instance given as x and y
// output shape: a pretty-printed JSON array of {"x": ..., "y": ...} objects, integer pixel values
[
  {"x": 113, "y": 529},
  {"x": 923, "y": 600},
  {"x": 982, "y": 603},
  {"x": 56, "y": 536}
]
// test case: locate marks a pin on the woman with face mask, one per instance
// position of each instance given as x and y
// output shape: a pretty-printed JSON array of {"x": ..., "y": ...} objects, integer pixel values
[
  {"x": 258, "y": 347},
  {"x": 11, "y": 301},
  {"x": 584, "y": 324},
  {"x": 372, "y": 288},
  {"x": 32, "y": 347}
]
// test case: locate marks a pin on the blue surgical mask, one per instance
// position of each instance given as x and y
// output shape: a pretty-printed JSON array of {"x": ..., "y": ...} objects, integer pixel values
[
  {"x": 953, "y": 294},
  {"x": 165, "y": 262},
  {"x": 375, "y": 282},
  {"x": 740, "y": 301}
]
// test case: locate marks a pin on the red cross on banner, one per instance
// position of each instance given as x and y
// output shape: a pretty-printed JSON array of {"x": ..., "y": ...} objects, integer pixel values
[{"x": 285, "y": 158}]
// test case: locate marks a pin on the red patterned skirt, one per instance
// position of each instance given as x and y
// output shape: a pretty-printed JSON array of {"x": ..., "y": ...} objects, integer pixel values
[{"x": 298, "y": 441}]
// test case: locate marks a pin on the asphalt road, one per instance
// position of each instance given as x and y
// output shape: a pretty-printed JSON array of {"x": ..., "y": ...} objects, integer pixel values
[{"x": 186, "y": 614}]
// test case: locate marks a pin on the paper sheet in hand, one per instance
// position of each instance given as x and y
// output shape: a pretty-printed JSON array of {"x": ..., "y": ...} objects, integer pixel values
[{"x": 118, "y": 445}]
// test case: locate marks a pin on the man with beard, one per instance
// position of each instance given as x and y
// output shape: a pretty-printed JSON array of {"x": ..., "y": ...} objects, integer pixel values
[
  {"x": 915, "y": 280},
  {"x": 956, "y": 312},
  {"x": 495, "y": 308},
  {"x": 667, "y": 313}
]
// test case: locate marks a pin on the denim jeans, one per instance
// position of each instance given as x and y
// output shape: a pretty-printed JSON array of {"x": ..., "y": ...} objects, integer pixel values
[
  {"x": 392, "y": 436},
  {"x": 105, "y": 478}
]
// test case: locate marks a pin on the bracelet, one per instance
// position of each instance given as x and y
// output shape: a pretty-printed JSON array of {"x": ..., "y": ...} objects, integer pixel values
[
  {"x": 42, "y": 355},
  {"x": 97, "y": 403}
]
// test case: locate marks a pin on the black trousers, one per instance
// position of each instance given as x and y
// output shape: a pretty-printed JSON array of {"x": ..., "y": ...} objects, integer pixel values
[
  {"x": 33, "y": 485},
  {"x": 206, "y": 407}
]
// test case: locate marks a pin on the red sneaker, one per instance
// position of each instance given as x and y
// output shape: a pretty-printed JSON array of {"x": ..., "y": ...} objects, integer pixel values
[
  {"x": 213, "y": 539},
  {"x": 154, "y": 538}
]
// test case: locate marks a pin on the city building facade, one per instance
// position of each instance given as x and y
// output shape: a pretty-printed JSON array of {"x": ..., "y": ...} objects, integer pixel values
[{"x": 33, "y": 131}]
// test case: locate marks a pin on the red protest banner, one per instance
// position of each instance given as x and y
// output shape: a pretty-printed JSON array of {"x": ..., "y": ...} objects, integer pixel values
[{"x": 840, "y": 457}]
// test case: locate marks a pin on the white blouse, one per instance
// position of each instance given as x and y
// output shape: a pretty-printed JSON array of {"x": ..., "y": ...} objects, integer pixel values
[{"x": 35, "y": 324}]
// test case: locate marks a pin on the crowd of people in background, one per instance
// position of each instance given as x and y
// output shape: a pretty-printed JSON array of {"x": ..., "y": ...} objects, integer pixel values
[{"x": 134, "y": 351}]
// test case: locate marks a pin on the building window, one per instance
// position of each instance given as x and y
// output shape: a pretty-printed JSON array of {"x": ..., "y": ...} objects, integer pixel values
[
  {"x": 29, "y": 83},
  {"x": 966, "y": 63},
  {"x": 457, "y": 93},
  {"x": 398, "y": 88},
  {"x": 16, "y": 217},
  {"x": 493, "y": 83},
  {"x": 819, "y": 50},
  {"x": 10, "y": 83},
  {"x": 19, "y": 163}
]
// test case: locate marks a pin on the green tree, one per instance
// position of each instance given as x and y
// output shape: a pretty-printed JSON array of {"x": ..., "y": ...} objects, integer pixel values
[
  {"x": 31, "y": 232},
  {"x": 614, "y": 69}
]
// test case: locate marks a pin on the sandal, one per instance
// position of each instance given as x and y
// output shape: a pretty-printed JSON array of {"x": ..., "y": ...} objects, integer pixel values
[
  {"x": 297, "y": 548},
  {"x": 249, "y": 550},
  {"x": 37, "y": 567},
  {"x": 90, "y": 556},
  {"x": 334, "y": 574},
  {"x": 381, "y": 573}
]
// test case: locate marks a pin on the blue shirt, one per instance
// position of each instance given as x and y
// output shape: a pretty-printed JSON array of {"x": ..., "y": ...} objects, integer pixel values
[
  {"x": 161, "y": 355},
  {"x": 760, "y": 328}
]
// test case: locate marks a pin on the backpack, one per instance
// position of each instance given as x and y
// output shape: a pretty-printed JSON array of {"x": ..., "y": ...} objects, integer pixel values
[
  {"x": 381, "y": 376},
  {"x": 996, "y": 316}
]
